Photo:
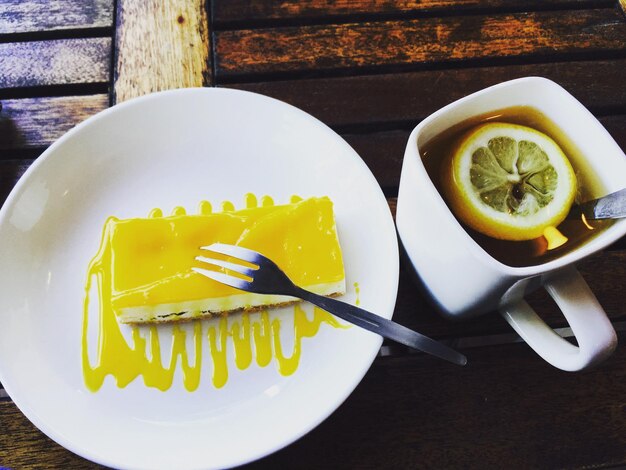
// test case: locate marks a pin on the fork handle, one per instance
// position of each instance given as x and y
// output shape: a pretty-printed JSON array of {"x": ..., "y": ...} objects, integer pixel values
[{"x": 385, "y": 328}]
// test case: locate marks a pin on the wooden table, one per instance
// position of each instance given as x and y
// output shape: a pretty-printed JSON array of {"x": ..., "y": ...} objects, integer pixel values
[{"x": 371, "y": 69}]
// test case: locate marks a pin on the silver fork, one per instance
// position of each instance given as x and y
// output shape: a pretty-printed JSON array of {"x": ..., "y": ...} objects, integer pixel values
[{"x": 268, "y": 278}]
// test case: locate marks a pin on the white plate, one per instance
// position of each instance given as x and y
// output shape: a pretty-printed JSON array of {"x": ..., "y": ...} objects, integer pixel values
[{"x": 164, "y": 150}]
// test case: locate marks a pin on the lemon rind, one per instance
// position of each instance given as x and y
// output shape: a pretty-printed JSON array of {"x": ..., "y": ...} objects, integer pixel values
[{"x": 484, "y": 218}]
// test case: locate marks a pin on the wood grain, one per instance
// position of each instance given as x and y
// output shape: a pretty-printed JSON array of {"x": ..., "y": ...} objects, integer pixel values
[
  {"x": 419, "y": 41},
  {"x": 22, "y": 445},
  {"x": 37, "y": 122},
  {"x": 505, "y": 409},
  {"x": 55, "y": 62},
  {"x": 10, "y": 172},
  {"x": 383, "y": 153},
  {"x": 506, "y": 405},
  {"x": 27, "y": 16},
  {"x": 616, "y": 125},
  {"x": 379, "y": 102},
  {"x": 261, "y": 10},
  {"x": 160, "y": 46}
]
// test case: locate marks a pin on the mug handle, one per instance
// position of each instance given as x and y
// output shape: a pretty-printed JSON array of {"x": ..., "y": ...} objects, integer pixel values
[{"x": 593, "y": 330}]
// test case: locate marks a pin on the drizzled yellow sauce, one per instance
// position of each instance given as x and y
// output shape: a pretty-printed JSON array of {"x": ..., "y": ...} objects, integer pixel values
[
  {"x": 250, "y": 337},
  {"x": 228, "y": 206}
]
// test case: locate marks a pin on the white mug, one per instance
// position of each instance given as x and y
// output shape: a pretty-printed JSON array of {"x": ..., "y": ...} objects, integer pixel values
[{"x": 463, "y": 280}]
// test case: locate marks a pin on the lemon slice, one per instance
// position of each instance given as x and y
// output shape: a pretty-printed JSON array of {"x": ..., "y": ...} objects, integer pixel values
[{"x": 509, "y": 182}]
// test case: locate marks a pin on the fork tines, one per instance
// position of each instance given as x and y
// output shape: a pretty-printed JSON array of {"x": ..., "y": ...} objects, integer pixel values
[{"x": 234, "y": 252}]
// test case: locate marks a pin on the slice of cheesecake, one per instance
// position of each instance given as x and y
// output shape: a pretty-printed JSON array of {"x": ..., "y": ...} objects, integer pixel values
[{"x": 151, "y": 259}]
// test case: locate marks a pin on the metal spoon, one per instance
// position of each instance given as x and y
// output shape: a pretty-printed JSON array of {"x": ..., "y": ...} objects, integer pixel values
[{"x": 611, "y": 206}]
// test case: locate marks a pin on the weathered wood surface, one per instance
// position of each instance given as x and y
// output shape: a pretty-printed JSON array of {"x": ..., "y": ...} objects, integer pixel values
[
  {"x": 159, "y": 46},
  {"x": 379, "y": 102},
  {"x": 503, "y": 410},
  {"x": 371, "y": 103},
  {"x": 29, "y": 16},
  {"x": 10, "y": 172},
  {"x": 506, "y": 405},
  {"x": 242, "y": 11},
  {"x": 616, "y": 125},
  {"x": 24, "y": 446},
  {"x": 55, "y": 62},
  {"x": 37, "y": 122},
  {"x": 374, "y": 45}
]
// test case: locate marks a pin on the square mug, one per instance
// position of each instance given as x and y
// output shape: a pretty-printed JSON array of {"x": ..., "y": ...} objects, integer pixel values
[{"x": 463, "y": 280}]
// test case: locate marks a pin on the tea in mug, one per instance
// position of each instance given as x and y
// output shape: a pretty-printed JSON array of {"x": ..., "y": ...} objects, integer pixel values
[{"x": 437, "y": 155}]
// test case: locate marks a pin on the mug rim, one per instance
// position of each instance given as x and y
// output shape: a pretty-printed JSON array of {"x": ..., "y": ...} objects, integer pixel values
[{"x": 601, "y": 241}]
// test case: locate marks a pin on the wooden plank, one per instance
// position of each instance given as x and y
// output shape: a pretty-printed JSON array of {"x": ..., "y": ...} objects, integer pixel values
[
  {"x": 388, "y": 100},
  {"x": 55, "y": 62},
  {"x": 225, "y": 11},
  {"x": 505, "y": 409},
  {"x": 37, "y": 122},
  {"x": 616, "y": 125},
  {"x": 22, "y": 445},
  {"x": 383, "y": 152},
  {"x": 159, "y": 46},
  {"x": 27, "y": 16},
  {"x": 506, "y": 405},
  {"x": 10, "y": 172},
  {"x": 372, "y": 45}
]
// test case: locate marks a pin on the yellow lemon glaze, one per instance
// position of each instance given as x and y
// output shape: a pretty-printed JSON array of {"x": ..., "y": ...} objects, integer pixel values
[
  {"x": 250, "y": 337},
  {"x": 152, "y": 258}
]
